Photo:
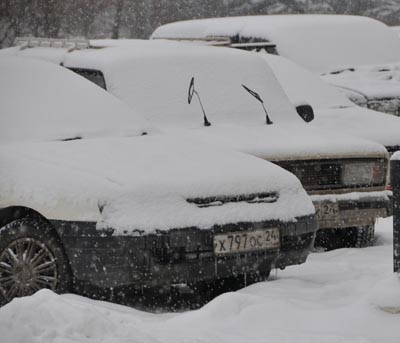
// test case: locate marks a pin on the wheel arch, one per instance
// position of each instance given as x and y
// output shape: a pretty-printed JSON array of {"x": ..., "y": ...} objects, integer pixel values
[{"x": 11, "y": 213}]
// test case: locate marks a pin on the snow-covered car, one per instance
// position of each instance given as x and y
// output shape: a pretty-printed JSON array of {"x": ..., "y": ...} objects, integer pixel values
[
  {"x": 359, "y": 55},
  {"x": 346, "y": 176},
  {"x": 332, "y": 109},
  {"x": 92, "y": 196}
]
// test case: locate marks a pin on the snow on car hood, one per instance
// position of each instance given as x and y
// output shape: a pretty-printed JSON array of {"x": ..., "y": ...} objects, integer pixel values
[
  {"x": 372, "y": 82},
  {"x": 357, "y": 121},
  {"x": 333, "y": 111},
  {"x": 286, "y": 142},
  {"x": 142, "y": 183},
  {"x": 42, "y": 101},
  {"x": 318, "y": 42}
]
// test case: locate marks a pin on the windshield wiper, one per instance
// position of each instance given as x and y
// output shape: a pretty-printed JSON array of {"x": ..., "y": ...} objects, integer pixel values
[
  {"x": 257, "y": 96},
  {"x": 71, "y": 139},
  {"x": 190, "y": 96}
]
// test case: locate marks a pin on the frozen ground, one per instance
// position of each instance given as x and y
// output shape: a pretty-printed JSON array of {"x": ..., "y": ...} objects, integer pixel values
[{"x": 335, "y": 297}]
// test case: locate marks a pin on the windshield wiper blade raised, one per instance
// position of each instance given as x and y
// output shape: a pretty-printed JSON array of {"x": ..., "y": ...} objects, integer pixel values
[{"x": 257, "y": 96}]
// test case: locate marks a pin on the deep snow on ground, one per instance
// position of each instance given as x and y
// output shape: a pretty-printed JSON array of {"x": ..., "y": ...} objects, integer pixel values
[{"x": 336, "y": 296}]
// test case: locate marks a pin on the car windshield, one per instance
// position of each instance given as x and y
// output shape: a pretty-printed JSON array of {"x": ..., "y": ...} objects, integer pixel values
[
  {"x": 41, "y": 101},
  {"x": 154, "y": 78}
]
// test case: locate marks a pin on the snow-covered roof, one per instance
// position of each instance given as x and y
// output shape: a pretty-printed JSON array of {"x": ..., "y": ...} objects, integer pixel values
[
  {"x": 142, "y": 182},
  {"x": 333, "y": 110},
  {"x": 42, "y": 101},
  {"x": 318, "y": 42}
]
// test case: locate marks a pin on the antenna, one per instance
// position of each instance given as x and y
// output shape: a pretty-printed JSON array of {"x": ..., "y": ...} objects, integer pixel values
[
  {"x": 190, "y": 97},
  {"x": 257, "y": 96}
]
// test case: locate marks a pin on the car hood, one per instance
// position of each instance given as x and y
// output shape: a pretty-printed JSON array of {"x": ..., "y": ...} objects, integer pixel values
[
  {"x": 143, "y": 183},
  {"x": 375, "y": 82},
  {"x": 357, "y": 121},
  {"x": 286, "y": 142}
]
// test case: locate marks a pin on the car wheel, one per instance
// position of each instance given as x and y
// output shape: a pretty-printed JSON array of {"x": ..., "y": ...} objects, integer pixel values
[
  {"x": 31, "y": 258},
  {"x": 364, "y": 236},
  {"x": 353, "y": 237}
]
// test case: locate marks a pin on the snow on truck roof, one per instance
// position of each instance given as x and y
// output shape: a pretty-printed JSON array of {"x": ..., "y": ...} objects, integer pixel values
[
  {"x": 42, "y": 101},
  {"x": 318, "y": 42}
]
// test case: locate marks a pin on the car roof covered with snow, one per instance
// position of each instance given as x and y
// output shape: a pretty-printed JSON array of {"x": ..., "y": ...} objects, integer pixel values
[
  {"x": 319, "y": 42},
  {"x": 333, "y": 110},
  {"x": 139, "y": 182}
]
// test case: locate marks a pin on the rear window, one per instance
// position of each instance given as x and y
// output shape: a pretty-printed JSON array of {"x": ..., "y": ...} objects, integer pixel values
[{"x": 93, "y": 75}]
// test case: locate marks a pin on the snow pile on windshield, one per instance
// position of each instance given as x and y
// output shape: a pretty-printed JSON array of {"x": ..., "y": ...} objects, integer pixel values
[
  {"x": 41, "y": 101},
  {"x": 319, "y": 42},
  {"x": 143, "y": 183},
  {"x": 338, "y": 296},
  {"x": 153, "y": 77}
]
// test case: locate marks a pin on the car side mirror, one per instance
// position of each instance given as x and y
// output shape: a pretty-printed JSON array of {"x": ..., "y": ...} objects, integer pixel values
[{"x": 306, "y": 112}]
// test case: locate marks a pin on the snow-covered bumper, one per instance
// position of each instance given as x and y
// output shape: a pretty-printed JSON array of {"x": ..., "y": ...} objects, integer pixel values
[
  {"x": 180, "y": 256},
  {"x": 352, "y": 209}
]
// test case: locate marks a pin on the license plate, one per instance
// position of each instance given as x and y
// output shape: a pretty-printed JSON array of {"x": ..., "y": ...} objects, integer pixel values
[
  {"x": 327, "y": 211},
  {"x": 245, "y": 241}
]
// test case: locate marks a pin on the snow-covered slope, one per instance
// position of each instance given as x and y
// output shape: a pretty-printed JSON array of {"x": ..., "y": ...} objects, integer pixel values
[{"x": 334, "y": 297}]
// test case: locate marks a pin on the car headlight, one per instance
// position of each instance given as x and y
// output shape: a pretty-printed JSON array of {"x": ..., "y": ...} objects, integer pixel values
[{"x": 364, "y": 173}]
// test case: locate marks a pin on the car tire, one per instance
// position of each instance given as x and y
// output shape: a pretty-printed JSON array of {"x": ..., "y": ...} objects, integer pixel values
[
  {"x": 365, "y": 236},
  {"x": 353, "y": 237},
  {"x": 31, "y": 258}
]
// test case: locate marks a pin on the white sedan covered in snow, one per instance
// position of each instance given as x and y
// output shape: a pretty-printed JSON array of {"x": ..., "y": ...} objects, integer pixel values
[
  {"x": 91, "y": 196},
  {"x": 359, "y": 55},
  {"x": 237, "y": 103}
]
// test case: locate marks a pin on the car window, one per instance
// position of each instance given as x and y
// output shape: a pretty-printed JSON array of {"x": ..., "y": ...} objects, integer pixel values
[{"x": 96, "y": 76}]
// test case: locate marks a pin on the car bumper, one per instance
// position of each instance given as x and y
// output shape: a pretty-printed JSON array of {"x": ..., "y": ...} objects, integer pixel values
[
  {"x": 352, "y": 209},
  {"x": 180, "y": 256}
]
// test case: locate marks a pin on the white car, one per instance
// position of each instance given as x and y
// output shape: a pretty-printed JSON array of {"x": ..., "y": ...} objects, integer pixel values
[
  {"x": 359, "y": 55},
  {"x": 346, "y": 176},
  {"x": 92, "y": 196}
]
